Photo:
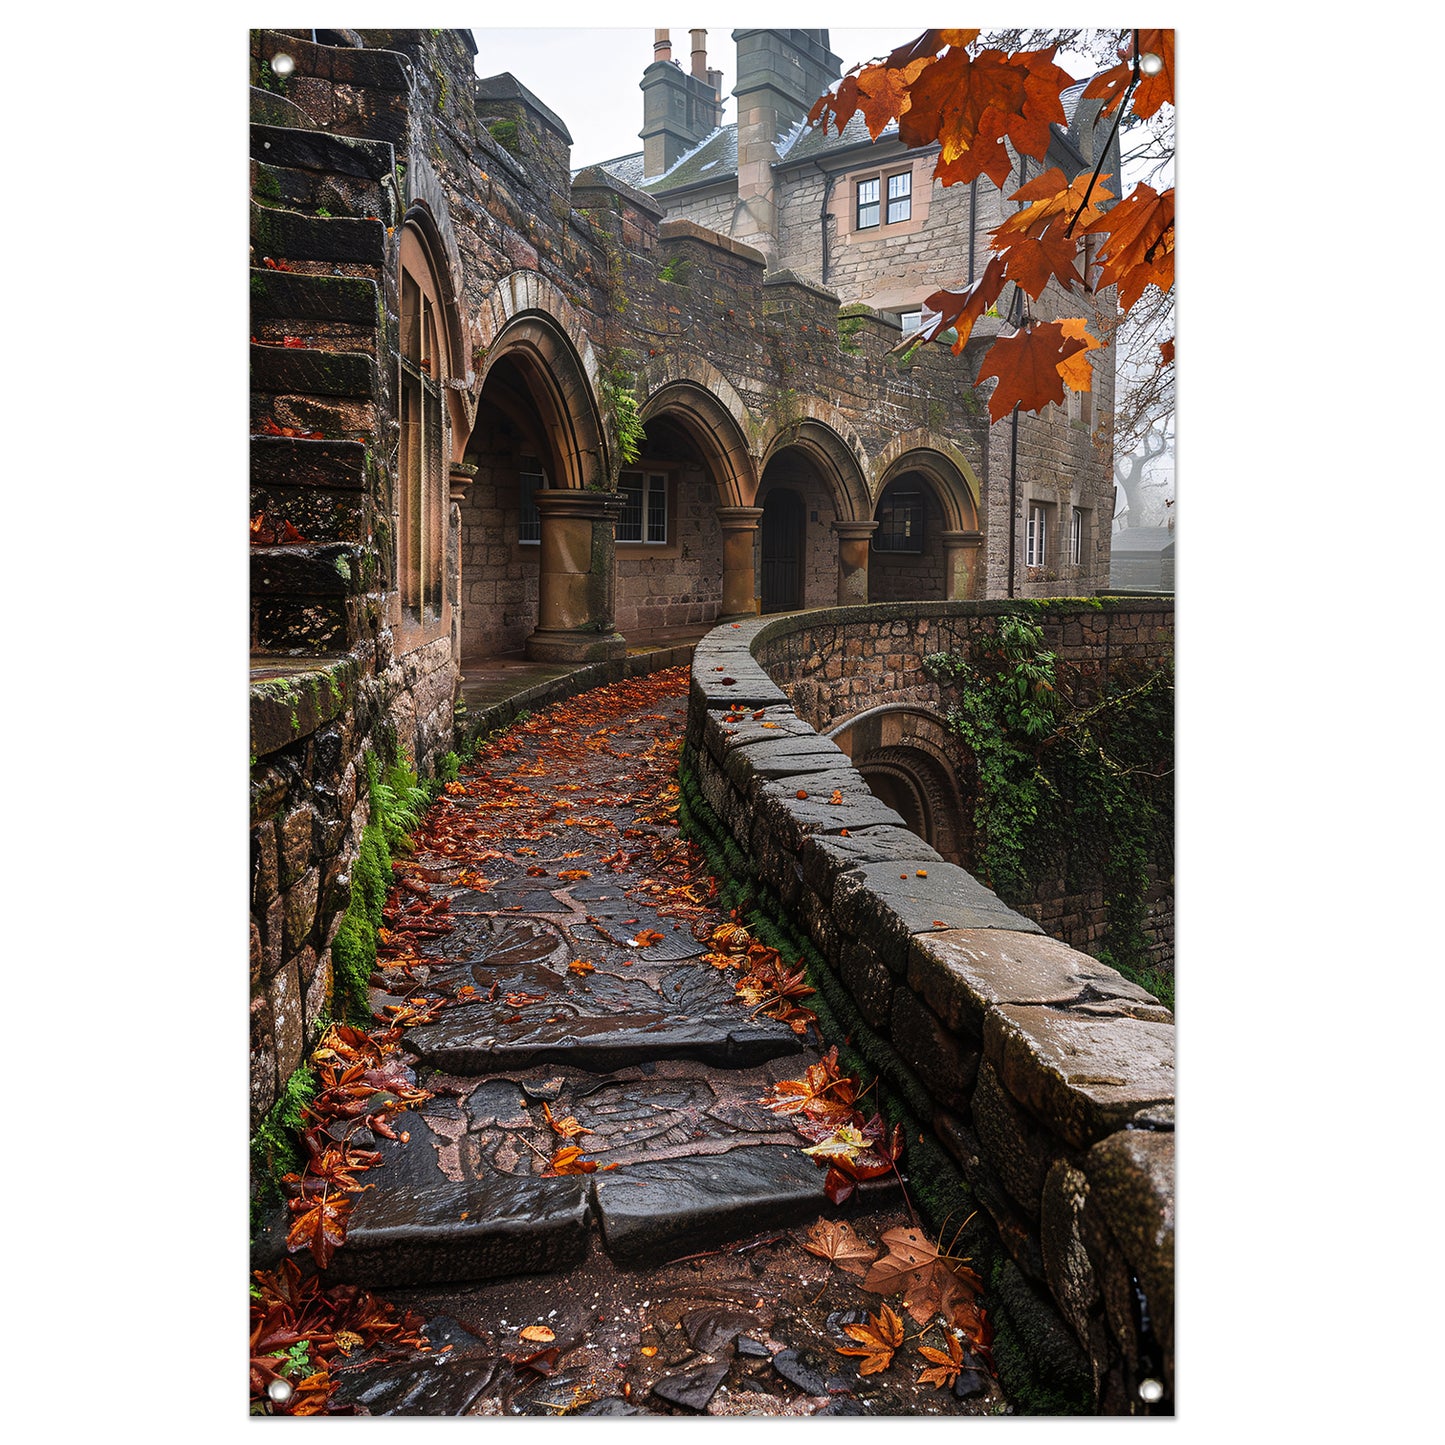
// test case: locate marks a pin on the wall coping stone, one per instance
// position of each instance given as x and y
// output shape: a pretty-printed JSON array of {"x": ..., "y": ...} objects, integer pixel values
[
  {"x": 1083, "y": 1077},
  {"x": 680, "y": 230}
]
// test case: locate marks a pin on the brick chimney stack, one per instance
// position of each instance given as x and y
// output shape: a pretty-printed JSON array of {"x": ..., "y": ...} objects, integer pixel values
[{"x": 678, "y": 109}]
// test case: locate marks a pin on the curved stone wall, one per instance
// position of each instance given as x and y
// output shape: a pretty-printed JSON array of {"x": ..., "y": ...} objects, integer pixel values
[{"x": 1051, "y": 1077}]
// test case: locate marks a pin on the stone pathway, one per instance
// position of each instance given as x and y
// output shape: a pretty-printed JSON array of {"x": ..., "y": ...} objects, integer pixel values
[{"x": 572, "y": 943}]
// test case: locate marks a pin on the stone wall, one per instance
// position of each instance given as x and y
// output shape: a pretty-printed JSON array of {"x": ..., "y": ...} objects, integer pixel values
[
  {"x": 839, "y": 662},
  {"x": 1050, "y": 1077}
]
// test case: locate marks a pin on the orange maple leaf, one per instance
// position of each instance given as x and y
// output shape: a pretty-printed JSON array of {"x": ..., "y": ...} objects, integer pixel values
[
  {"x": 1140, "y": 248},
  {"x": 880, "y": 1338},
  {"x": 1077, "y": 370},
  {"x": 1111, "y": 85},
  {"x": 971, "y": 105},
  {"x": 946, "y": 1367},
  {"x": 963, "y": 308},
  {"x": 1027, "y": 366}
]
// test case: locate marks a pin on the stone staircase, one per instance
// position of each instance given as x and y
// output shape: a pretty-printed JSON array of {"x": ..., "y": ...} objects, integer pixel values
[{"x": 322, "y": 205}]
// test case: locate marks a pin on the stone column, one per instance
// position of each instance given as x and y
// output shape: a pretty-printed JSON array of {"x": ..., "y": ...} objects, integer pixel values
[
  {"x": 960, "y": 565},
  {"x": 739, "y": 580},
  {"x": 577, "y": 577},
  {"x": 459, "y": 481},
  {"x": 853, "y": 560}
]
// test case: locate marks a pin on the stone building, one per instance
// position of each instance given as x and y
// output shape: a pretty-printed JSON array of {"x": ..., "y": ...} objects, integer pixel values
[{"x": 455, "y": 341}]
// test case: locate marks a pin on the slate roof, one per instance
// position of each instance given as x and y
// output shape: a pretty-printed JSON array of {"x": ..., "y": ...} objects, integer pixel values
[{"x": 715, "y": 157}]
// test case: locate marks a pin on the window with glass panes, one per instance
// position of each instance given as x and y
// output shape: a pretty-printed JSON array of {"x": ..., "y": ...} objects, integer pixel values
[
  {"x": 530, "y": 479},
  {"x": 900, "y": 197},
  {"x": 900, "y": 523},
  {"x": 1036, "y": 538},
  {"x": 1077, "y": 526},
  {"x": 867, "y": 204},
  {"x": 644, "y": 507},
  {"x": 421, "y": 534}
]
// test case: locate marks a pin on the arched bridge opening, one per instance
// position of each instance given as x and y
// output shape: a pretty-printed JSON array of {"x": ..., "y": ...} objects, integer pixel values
[{"x": 911, "y": 762}]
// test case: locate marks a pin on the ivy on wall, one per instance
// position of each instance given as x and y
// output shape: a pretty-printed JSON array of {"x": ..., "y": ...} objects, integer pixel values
[{"x": 1066, "y": 791}]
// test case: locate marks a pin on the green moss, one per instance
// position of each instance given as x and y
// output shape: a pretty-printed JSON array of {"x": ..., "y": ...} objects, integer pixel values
[
  {"x": 274, "y": 1147},
  {"x": 353, "y": 957},
  {"x": 504, "y": 132}
]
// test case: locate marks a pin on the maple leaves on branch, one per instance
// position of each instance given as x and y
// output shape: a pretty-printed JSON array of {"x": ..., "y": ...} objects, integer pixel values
[{"x": 974, "y": 105}]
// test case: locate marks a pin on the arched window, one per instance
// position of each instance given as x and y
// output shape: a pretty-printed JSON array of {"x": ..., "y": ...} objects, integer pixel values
[{"x": 423, "y": 453}]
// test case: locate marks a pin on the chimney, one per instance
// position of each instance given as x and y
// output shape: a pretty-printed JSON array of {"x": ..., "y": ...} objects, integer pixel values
[
  {"x": 780, "y": 74},
  {"x": 678, "y": 109}
]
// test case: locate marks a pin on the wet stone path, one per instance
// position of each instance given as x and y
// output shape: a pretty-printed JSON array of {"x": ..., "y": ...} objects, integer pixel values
[{"x": 552, "y": 904}]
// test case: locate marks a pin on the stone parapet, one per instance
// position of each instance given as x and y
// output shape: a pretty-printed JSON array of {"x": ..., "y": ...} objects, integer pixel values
[{"x": 1051, "y": 1076}]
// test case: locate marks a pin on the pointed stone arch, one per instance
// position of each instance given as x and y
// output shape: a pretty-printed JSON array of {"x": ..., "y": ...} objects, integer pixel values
[
  {"x": 527, "y": 320},
  {"x": 702, "y": 400}
]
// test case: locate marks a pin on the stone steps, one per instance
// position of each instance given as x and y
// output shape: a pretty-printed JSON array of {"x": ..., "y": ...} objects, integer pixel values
[{"x": 645, "y": 1045}]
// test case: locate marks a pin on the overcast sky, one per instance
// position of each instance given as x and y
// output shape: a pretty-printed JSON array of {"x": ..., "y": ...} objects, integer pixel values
[{"x": 590, "y": 77}]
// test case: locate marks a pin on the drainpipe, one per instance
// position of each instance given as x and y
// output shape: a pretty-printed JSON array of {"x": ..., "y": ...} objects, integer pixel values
[
  {"x": 972, "y": 226},
  {"x": 1015, "y": 315},
  {"x": 829, "y": 178}
]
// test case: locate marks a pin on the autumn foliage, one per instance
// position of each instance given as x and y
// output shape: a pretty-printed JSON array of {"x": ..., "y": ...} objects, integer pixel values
[{"x": 975, "y": 103}]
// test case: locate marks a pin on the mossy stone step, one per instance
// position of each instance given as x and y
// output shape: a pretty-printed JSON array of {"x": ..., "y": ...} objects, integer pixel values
[
  {"x": 291, "y": 461},
  {"x": 331, "y": 570},
  {"x": 288, "y": 235},
  {"x": 284, "y": 295},
  {"x": 315, "y": 150},
  {"x": 305, "y": 371}
]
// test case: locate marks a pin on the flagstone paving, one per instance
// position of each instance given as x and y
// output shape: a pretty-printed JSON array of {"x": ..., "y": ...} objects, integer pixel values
[{"x": 552, "y": 904}]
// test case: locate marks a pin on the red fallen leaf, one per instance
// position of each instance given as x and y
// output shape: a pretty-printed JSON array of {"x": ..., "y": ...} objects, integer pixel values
[
  {"x": 923, "y": 872},
  {"x": 293, "y": 342},
  {"x": 320, "y": 1225},
  {"x": 536, "y": 872},
  {"x": 939, "y": 923},
  {"x": 842, "y": 832},
  {"x": 648, "y": 937},
  {"x": 572, "y": 875},
  {"x": 837, "y": 797},
  {"x": 274, "y": 265},
  {"x": 581, "y": 967},
  {"x": 537, "y": 1334},
  {"x": 757, "y": 716},
  {"x": 521, "y": 1000},
  {"x": 802, "y": 793},
  {"x": 727, "y": 681},
  {"x": 544, "y": 1362}
]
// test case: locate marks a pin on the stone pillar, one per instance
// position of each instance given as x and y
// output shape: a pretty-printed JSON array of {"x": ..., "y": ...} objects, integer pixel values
[
  {"x": 739, "y": 580},
  {"x": 960, "y": 565},
  {"x": 460, "y": 479},
  {"x": 853, "y": 560},
  {"x": 577, "y": 577}
]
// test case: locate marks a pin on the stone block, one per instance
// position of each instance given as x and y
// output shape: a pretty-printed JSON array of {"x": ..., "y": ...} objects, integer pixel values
[
  {"x": 263, "y": 1057},
  {"x": 300, "y": 909},
  {"x": 257, "y": 956},
  {"x": 297, "y": 833},
  {"x": 963, "y": 973},
  {"x": 1018, "y": 1149},
  {"x": 946, "y": 1063},
  {"x": 1083, "y": 1077},
  {"x": 265, "y": 874},
  {"x": 284, "y": 995},
  {"x": 890, "y": 902},
  {"x": 866, "y": 977}
]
